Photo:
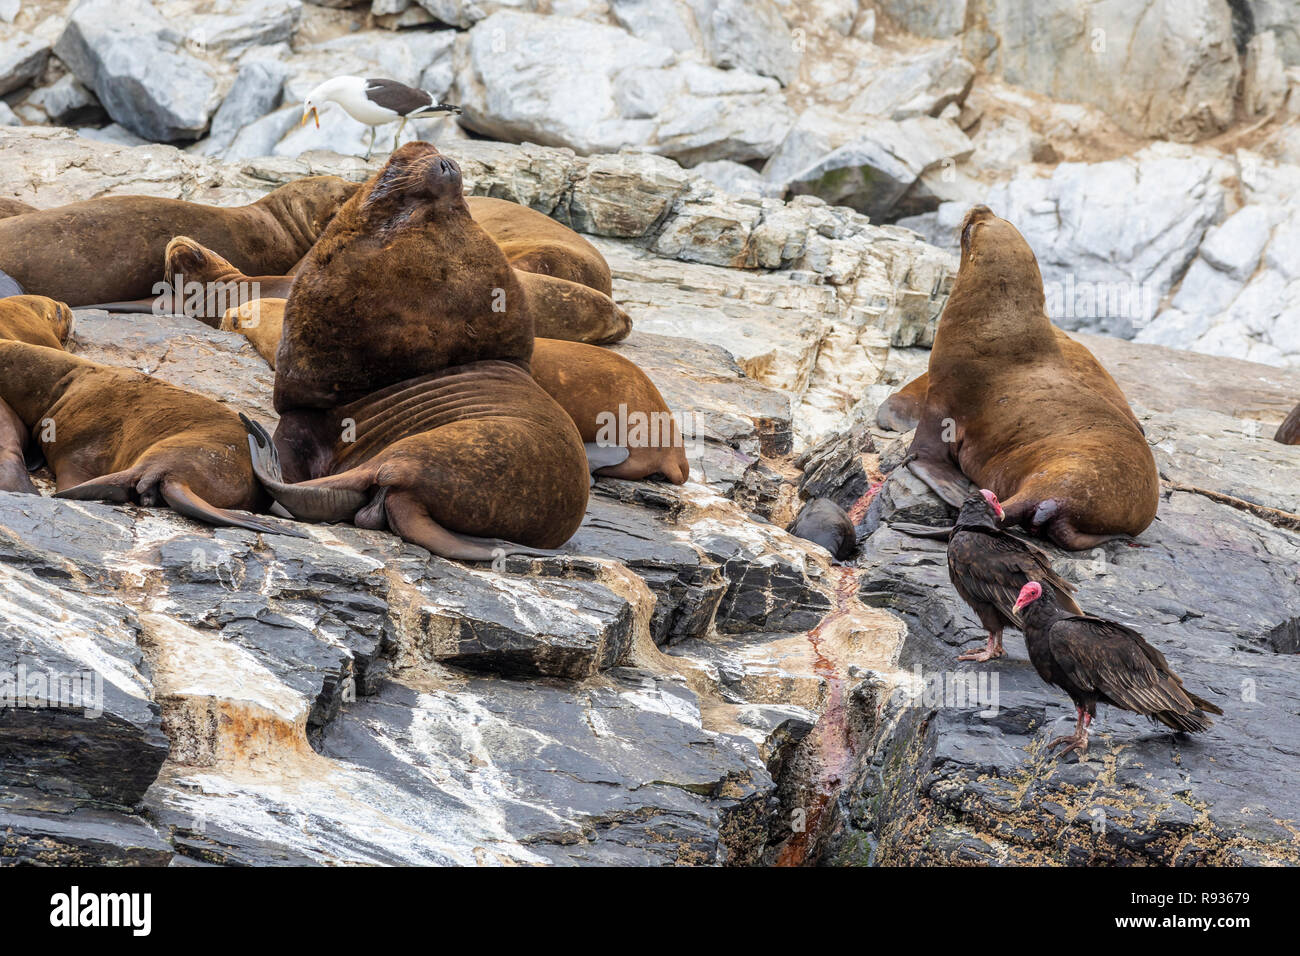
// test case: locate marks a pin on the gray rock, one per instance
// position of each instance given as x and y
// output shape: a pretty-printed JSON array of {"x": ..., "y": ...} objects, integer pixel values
[
  {"x": 254, "y": 94},
  {"x": 869, "y": 164},
  {"x": 22, "y": 60},
  {"x": 748, "y": 34},
  {"x": 609, "y": 91},
  {"x": 9, "y": 10},
  {"x": 257, "y": 23},
  {"x": 7, "y": 116},
  {"x": 65, "y": 102},
  {"x": 665, "y": 22},
  {"x": 136, "y": 64},
  {"x": 1263, "y": 83},
  {"x": 1235, "y": 246},
  {"x": 737, "y": 178},
  {"x": 927, "y": 19},
  {"x": 1170, "y": 71}
]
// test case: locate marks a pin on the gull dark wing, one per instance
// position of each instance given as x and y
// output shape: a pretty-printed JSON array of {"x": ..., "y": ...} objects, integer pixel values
[
  {"x": 1113, "y": 663},
  {"x": 397, "y": 97}
]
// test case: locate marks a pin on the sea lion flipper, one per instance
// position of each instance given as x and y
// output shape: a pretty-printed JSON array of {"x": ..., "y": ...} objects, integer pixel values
[
  {"x": 411, "y": 521},
  {"x": 921, "y": 530},
  {"x": 181, "y": 498},
  {"x": 266, "y": 460},
  {"x": 605, "y": 456},
  {"x": 114, "y": 489},
  {"x": 13, "y": 477},
  {"x": 944, "y": 479}
]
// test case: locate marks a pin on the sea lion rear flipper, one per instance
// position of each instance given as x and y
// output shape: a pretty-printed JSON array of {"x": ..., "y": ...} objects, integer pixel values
[
  {"x": 184, "y": 501},
  {"x": 111, "y": 488},
  {"x": 411, "y": 521},
  {"x": 13, "y": 477},
  {"x": 605, "y": 456},
  {"x": 133, "y": 307},
  {"x": 266, "y": 459}
]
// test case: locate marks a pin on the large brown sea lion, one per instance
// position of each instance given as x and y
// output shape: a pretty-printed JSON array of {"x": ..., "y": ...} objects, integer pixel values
[
  {"x": 111, "y": 249},
  {"x": 112, "y": 434},
  {"x": 614, "y": 404},
  {"x": 402, "y": 379},
  {"x": 596, "y": 387},
  {"x": 534, "y": 242},
  {"x": 14, "y": 207},
  {"x": 561, "y": 308},
  {"x": 470, "y": 463},
  {"x": 1288, "y": 433},
  {"x": 36, "y": 320},
  {"x": 902, "y": 411},
  {"x": 1050, "y": 434}
]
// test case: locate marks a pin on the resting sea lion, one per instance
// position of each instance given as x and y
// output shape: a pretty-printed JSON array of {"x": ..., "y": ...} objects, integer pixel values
[
  {"x": 111, "y": 249},
  {"x": 534, "y": 242},
  {"x": 112, "y": 434},
  {"x": 1288, "y": 433},
  {"x": 402, "y": 379},
  {"x": 36, "y": 320},
  {"x": 603, "y": 392},
  {"x": 823, "y": 522},
  {"x": 593, "y": 385},
  {"x": 12, "y": 207},
  {"x": 471, "y": 462},
  {"x": 561, "y": 308},
  {"x": 1007, "y": 408}
]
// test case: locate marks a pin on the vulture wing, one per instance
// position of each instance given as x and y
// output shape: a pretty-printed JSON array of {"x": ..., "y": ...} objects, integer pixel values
[
  {"x": 992, "y": 567},
  {"x": 1115, "y": 662}
]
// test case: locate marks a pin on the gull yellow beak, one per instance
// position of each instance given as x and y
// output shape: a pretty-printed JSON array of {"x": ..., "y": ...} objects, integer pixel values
[{"x": 310, "y": 111}]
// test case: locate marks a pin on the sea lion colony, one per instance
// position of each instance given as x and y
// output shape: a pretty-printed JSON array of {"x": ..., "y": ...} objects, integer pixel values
[{"x": 438, "y": 373}]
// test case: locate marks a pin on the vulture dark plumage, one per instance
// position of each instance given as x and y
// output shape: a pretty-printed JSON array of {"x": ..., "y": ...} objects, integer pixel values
[
  {"x": 989, "y": 566},
  {"x": 1093, "y": 660}
]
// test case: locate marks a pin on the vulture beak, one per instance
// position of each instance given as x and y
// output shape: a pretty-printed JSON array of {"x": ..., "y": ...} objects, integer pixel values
[
  {"x": 1028, "y": 594},
  {"x": 310, "y": 111}
]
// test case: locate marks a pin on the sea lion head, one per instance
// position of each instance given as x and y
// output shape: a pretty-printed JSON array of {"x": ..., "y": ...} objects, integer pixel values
[
  {"x": 996, "y": 260},
  {"x": 417, "y": 184}
]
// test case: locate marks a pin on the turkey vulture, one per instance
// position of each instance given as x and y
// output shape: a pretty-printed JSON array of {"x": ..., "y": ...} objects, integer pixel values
[
  {"x": 988, "y": 567},
  {"x": 1096, "y": 660}
]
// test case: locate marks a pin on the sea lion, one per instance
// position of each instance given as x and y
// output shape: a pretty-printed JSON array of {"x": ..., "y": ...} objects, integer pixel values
[
  {"x": 402, "y": 379},
  {"x": 823, "y": 522},
  {"x": 600, "y": 390},
  {"x": 902, "y": 410},
  {"x": 111, "y": 249},
  {"x": 1288, "y": 433},
  {"x": 561, "y": 308},
  {"x": 112, "y": 434},
  {"x": 402, "y": 283},
  {"x": 36, "y": 320},
  {"x": 614, "y": 405},
  {"x": 534, "y": 242},
  {"x": 13, "y": 207},
  {"x": 1006, "y": 407},
  {"x": 471, "y": 463}
]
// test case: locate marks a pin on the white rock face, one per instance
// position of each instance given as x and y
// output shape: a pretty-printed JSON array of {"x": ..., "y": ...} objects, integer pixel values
[
  {"x": 1167, "y": 69},
  {"x": 137, "y": 65},
  {"x": 594, "y": 88},
  {"x": 868, "y": 163},
  {"x": 748, "y": 35},
  {"x": 22, "y": 58},
  {"x": 1112, "y": 238}
]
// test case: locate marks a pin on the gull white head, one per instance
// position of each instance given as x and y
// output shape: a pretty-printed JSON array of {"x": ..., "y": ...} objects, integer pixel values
[{"x": 330, "y": 92}]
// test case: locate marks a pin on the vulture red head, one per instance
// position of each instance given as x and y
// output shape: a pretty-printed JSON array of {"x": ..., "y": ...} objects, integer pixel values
[
  {"x": 1030, "y": 593},
  {"x": 992, "y": 499}
]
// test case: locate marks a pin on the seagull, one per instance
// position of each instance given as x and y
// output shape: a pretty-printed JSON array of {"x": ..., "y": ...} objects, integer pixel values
[{"x": 374, "y": 102}]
